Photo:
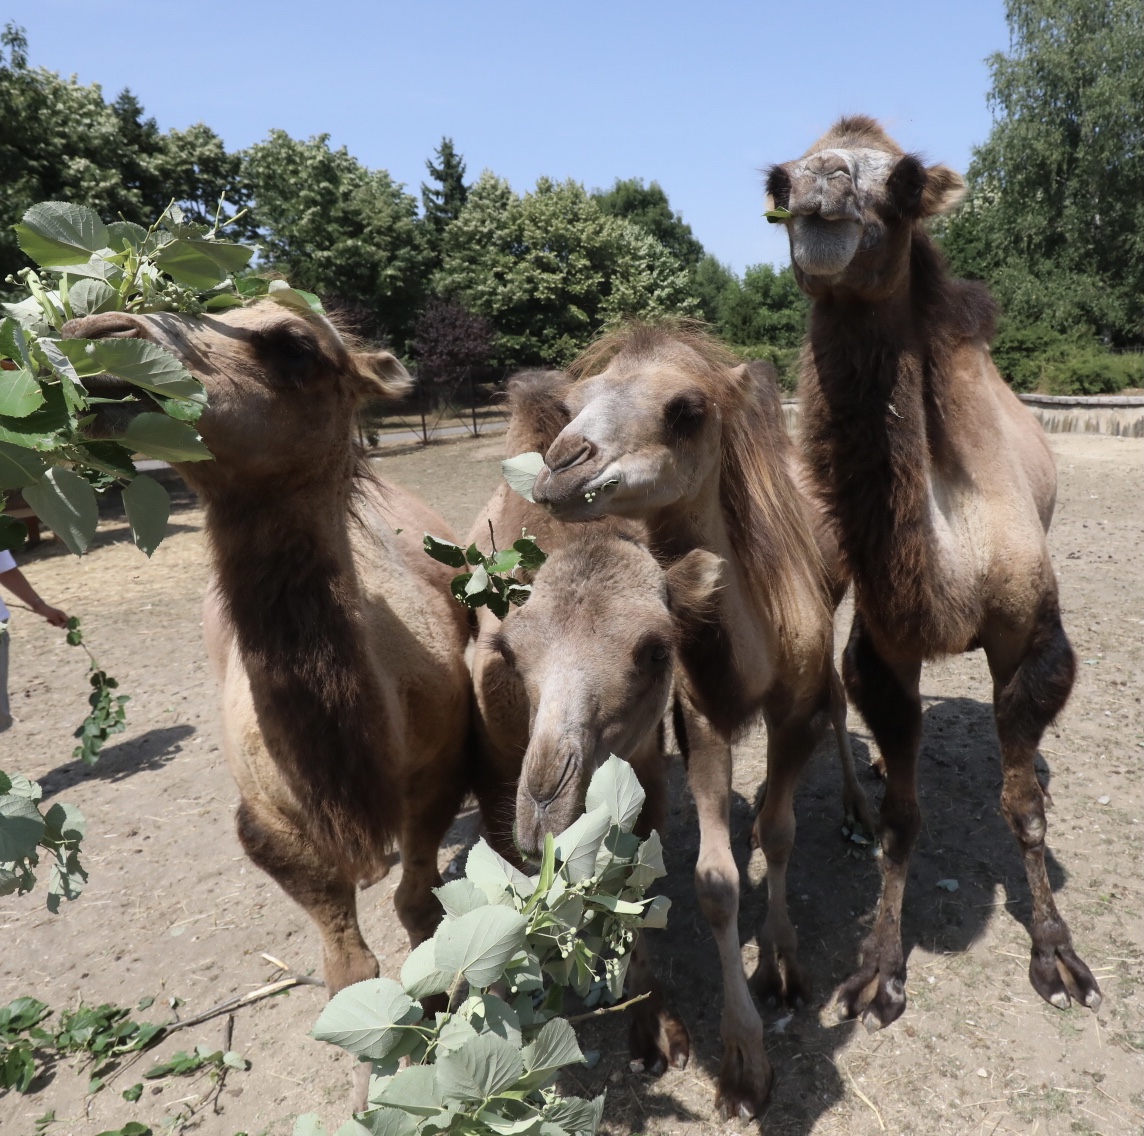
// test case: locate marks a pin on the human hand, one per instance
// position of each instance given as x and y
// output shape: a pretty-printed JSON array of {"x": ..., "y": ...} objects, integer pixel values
[{"x": 53, "y": 615}]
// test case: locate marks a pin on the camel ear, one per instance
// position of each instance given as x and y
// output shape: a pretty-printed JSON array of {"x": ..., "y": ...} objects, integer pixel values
[
  {"x": 692, "y": 583},
  {"x": 944, "y": 188},
  {"x": 381, "y": 375}
]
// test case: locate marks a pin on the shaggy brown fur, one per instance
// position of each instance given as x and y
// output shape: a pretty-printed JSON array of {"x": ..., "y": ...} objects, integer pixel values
[
  {"x": 941, "y": 487},
  {"x": 764, "y": 513}
]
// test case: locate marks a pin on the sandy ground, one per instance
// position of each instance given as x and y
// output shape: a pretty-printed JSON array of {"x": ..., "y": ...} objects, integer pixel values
[{"x": 174, "y": 911}]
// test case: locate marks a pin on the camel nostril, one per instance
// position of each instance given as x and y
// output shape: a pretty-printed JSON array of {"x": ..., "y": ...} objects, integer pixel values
[
  {"x": 542, "y": 787},
  {"x": 565, "y": 453}
]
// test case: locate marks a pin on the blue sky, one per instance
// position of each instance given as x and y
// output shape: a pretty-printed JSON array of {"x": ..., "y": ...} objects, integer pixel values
[{"x": 699, "y": 96}]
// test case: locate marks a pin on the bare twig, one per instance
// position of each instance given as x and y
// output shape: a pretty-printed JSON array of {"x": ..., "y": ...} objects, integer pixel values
[
  {"x": 237, "y": 1002},
  {"x": 609, "y": 1009},
  {"x": 863, "y": 1097}
]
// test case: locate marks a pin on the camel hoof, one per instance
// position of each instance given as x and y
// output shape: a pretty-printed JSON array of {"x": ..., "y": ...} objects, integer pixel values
[
  {"x": 781, "y": 982},
  {"x": 658, "y": 1040},
  {"x": 877, "y": 769},
  {"x": 1061, "y": 977},
  {"x": 878, "y": 999},
  {"x": 745, "y": 1080}
]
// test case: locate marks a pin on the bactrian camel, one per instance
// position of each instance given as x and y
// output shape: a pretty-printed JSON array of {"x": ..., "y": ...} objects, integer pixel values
[
  {"x": 338, "y": 649},
  {"x": 941, "y": 486},
  {"x": 582, "y": 670},
  {"x": 666, "y": 426}
]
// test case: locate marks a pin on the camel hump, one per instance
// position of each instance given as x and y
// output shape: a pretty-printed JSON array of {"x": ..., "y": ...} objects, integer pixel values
[{"x": 537, "y": 408}]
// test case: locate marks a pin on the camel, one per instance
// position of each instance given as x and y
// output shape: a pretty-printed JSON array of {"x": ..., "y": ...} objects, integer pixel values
[
  {"x": 668, "y": 427},
  {"x": 338, "y": 649},
  {"x": 941, "y": 487},
  {"x": 583, "y": 670}
]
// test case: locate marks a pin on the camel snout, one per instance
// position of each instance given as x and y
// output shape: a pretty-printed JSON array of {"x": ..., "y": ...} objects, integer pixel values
[
  {"x": 108, "y": 325},
  {"x": 567, "y": 452}
]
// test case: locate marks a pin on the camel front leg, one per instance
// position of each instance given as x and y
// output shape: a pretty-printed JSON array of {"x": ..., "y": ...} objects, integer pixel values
[
  {"x": 790, "y": 744},
  {"x": 1027, "y": 695},
  {"x": 745, "y": 1075},
  {"x": 888, "y": 699},
  {"x": 308, "y": 877}
]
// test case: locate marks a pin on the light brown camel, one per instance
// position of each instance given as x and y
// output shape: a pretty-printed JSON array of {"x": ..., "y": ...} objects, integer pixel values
[
  {"x": 582, "y": 670},
  {"x": 941, "y": 486},
  {"x": 338, "y": 649},
  {"x": 667, "y": 427}
]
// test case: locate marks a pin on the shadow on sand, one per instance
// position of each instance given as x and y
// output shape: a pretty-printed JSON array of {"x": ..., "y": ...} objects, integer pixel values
[
  {"x": 833, "y": 893},
  {"x": 149, "y": 751}
]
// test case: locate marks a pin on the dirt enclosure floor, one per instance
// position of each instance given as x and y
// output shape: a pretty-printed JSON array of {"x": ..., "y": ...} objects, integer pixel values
[{"x": 173, "y": 910}]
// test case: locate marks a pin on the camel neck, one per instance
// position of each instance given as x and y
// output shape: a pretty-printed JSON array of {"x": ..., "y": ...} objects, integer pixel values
[
  {"x": 871, "y": 425},
  {"x": 285, "y": 572}
]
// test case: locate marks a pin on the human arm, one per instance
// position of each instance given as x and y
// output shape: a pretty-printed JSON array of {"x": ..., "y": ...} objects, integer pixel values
[{"x": 17, "y": 583}]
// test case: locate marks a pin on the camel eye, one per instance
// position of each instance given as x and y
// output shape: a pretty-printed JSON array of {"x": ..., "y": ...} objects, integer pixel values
[
  {"x": 659, "y": 654},
  {"x": 502, "y": 648},
  {"x": 684, "y": 414},
  {"x": 652, "y": 654}
]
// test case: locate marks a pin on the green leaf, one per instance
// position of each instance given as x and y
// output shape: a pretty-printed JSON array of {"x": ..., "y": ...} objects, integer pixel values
[
  {"x": 133, "y": 1093},
  {"x": 777, "y": 215},
  {"x": 480, "y": 943},
  {"x": 135, "y": 361},
  {"x": 366, "y": 1018},
  {"x": 505, "y": 561},
  {"x": 64, "y": 823},
  {"x": 41, "y": 429},
  {"x": 553, "y": 1048},
  {"x": 521, "y": 473},
  {"x": 615, "y": 787},
  {"x": 66, "y": 503},
  {"x": 478, "y": 581},
  {"x": 480, "y": 1069},
  {"x": 148, "y": 505},
  {"x": 309, "y": 1124},
  {"x": 13, "y": 534},
  {"x": 493, "y": 874},
  {"x": 159, "y": 436},
  {"x": 20, "y": 393},
  {"x": 649, "y": 863},
  {"x": 90, "y": 297},
  {"x": 97, "y": 268},
  {"x": 282, "y": 293},
  {"x": 383, "y": 1121},
  {"x": 459, "y": 897},
  {"x": 419, "y": 974},
  {"x": 19, "y": 467},
  {"x": 487, "y": 1013},
  {"x": 21, "y": 827},
  {"x": 124, "y": 235},
  {"x": 531, "y": 556},
  {"x": 445, "y": 551},
  {"x": 413, "y": 1089},
  {"x": 656, "y": 913},
  {"x": 201, "y": 264},
  {"x": 575, "y": 1115},
  {"x": 576, "y": 846},
  {"x": 57, "y": 233}
]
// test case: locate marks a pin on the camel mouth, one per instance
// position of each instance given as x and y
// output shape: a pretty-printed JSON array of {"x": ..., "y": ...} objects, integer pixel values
[
  {"x": 572, "y": 495},
  {"x": 824, "y": 247}
]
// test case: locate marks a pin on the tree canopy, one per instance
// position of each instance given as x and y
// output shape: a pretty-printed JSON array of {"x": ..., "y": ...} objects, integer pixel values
[
  {"x": 550, "y": 267},
  {"x": 1054, "y": 217}
]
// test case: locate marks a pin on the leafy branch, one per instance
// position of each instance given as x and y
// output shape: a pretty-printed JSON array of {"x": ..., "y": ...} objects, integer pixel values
[
  {"x": 487, "y": 1066},
  {"x": 107, "y": 715},
  {"x": 25, "y": 831},
  {"x": 492, "y": 580},
  {"x": 62, "y": 400}
]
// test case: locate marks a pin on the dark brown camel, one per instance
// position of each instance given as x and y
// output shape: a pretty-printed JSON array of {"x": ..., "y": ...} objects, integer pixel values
[{"x": 941, "y": 487}]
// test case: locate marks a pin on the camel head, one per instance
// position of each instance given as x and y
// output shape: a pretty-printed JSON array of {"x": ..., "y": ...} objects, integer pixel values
[
  {"x": 645, "y": 424},
  {"x": 856, "y": 199},
  {"x": 594, "y": 649},
  {"x": 282, "y": 386}
]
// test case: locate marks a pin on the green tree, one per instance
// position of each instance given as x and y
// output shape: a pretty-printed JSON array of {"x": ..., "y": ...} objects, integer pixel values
[
  {"x": 443, "y": 203},
  {"x": 1054, "y": 218},
  {"x": 61, "y": 141},
  {"x": 766, "y": 307},
  {"x": 648, "y": 207},
  {"x": 550, "y": 268},
  {"x": 338, "y": 228}
]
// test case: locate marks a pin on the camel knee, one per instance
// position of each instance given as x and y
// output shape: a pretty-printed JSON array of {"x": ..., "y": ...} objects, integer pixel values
[
  {"x": 901, "y": 821},
  {"x": 717, "y": 887},
  {"x": 1024, "y": 809},
  {"x": 892, "y": 712},
  {"x": 775, "y": 836},
  {"x": 1039, "y": 687}
]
